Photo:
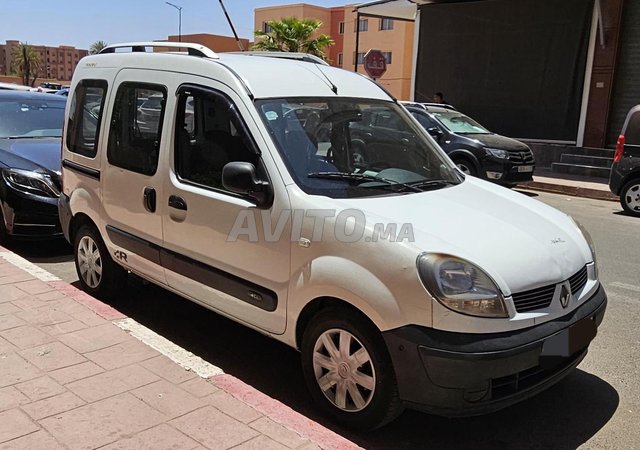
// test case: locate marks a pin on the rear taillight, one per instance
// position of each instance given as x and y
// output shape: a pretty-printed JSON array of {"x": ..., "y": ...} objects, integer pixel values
[{"x": 619, "y": 149}]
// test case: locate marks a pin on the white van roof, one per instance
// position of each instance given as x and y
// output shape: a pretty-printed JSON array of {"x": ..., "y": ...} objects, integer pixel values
[{"x": 265, "y": 77}]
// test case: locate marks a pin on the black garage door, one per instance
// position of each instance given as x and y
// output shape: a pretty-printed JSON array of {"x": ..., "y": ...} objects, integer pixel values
[
  {"x": 516, "y": 66},
  {"x": 626, "y": 89}
]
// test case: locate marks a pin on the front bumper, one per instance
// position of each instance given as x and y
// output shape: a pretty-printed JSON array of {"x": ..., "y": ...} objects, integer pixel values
[
  {"x": 457, "y": 374},
  {"x": 509, "y": 171},
  {"x": 29, "y": 216}
]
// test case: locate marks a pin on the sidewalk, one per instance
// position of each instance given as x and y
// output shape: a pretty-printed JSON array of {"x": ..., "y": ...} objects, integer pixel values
[
  {"x": 573, "y": 185},
  {"x": 77, "y": 374}
]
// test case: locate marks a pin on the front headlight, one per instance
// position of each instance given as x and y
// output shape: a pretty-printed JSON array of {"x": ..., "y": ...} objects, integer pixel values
[
  {"x": 498, "y": 153},
  {"x": 36, "y": 183},
  {"x": 461, "y": 286}
]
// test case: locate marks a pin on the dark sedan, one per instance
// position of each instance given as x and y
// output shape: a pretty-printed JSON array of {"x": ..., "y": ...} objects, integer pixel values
[
  {"x": 474, "y": 149},
  {"x": 30, "y": 139}
]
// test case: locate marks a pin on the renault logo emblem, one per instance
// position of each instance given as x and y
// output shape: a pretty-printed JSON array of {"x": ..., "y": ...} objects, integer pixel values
[{"x": 565, "y": 295}]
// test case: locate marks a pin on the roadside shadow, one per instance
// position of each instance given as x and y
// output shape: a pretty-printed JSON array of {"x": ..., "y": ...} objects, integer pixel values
[
  {"x": 527, "y": 193},
  {"x": 563, "y": 417},
  {"x": 625, "y": 214},
  {"x": 50, "y": 251}
]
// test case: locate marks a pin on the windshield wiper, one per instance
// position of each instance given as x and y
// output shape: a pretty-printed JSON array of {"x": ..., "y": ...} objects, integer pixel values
[
  {"x": 361, "y": 177},
  {"x": 430, "y": 184},
  {"x": 30, "y": 137}
]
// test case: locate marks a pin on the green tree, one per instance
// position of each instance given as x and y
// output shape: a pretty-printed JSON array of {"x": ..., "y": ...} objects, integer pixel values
[
  {"x": 293, "y": 35},
  {"x": 96, "y": 47},
  {"x": 26, "y": 63}
]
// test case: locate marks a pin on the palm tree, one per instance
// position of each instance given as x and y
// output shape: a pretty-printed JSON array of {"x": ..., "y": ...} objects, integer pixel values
[
  {"x": 26, "y": 63},
  {"x": 96, "y": 47},
  {"x": 293, "y": 35}
]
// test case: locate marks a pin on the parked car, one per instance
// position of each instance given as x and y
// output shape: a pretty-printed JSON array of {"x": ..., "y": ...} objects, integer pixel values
[
  {"x": 474, "y": 149},
  {"x": 625, "y": 171},
  {"x": 402, "y": 282},
  {"x": 30, "y": 132}
]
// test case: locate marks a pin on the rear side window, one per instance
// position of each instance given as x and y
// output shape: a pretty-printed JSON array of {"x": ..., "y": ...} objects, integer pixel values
[
  {"x": 136, "y": 126},
  {"x": 85, "y": 116},
  {"x": 632, "y": 133}
]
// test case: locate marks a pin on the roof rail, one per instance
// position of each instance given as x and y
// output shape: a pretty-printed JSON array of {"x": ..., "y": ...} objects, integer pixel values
[
  {"x": 439, "y": 105},
  {"x": 286, "y": 55},
  {"x": 192, "y": 49}
]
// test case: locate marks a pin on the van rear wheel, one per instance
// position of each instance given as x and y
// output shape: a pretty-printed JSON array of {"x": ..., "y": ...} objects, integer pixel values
[
  {"x": 348, "y": 370},
  {"x": 630, "y": 197},
  {"x": 99, "y": 275}
]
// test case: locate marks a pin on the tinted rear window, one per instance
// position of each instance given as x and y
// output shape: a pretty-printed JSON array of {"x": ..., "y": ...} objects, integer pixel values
[{"x": 632, "y": 133}]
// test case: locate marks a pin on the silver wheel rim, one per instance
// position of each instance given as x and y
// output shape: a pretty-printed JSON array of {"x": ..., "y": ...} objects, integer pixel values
[
  {"x": 344, "y": 370},
  {"x": 89, "y": 262},
  {"x": 464, "y": 168},
  {"x": 632, "y": 197}
]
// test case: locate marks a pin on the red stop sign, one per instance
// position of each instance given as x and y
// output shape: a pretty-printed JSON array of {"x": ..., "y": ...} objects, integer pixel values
[{"x": 374, "y": 63}]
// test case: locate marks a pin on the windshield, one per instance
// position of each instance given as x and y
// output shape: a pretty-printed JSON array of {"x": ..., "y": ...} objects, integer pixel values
[
  {"x": 31, "y": 118},
  {"x": 459, "y": 123},
  {"x": 342, "y": 147}
]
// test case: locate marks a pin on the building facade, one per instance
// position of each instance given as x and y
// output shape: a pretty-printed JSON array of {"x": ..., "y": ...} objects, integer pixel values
[
  {"x": 215, "y": 42},
  {"x": 393, "y": 37},
  {"x": 58, "y": 63}
]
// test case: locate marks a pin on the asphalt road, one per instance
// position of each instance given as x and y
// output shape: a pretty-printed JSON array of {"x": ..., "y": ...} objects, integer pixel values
[{"x": 598, "y": 406}]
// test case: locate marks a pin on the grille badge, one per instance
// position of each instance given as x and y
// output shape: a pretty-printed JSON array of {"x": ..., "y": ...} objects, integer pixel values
[{"x": 565, "y": 295}]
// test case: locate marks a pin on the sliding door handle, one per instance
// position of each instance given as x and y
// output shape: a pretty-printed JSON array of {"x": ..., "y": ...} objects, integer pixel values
[{"x": 177, "y": 202}]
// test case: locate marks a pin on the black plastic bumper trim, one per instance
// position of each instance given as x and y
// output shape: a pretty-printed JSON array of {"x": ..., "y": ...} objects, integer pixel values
[{"x": 88, "y": 171}]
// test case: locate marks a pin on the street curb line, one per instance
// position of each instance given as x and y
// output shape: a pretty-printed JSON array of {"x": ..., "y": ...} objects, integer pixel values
[
  {"x": 270, "y": 407},
  {"x": 281, "y": 413},
  {"x": 573, "y": 191}
]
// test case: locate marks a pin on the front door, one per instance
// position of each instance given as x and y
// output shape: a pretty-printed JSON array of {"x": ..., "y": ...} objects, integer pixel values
[{"x": 215, "y": 247}]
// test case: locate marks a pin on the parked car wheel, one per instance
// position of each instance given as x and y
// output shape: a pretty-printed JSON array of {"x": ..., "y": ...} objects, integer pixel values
[
  {"x": 99, "y": 275},
  {"x": 348, "y": 370},
  {"x": 466, "y": 166},
  {"x": 630, "y": 197}
]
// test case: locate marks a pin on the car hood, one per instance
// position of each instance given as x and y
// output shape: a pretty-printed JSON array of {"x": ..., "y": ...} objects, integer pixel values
[
  {"x": 521, "y": 242},
  {"x": 31, "y": 154},
  {"x": 497, "y": 141}
]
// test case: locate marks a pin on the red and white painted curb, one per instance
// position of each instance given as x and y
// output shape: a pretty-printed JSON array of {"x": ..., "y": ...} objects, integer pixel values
[{"x": 270, "y": 407}]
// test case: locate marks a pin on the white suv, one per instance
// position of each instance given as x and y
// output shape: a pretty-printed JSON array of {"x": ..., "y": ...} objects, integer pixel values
[{"x": 402, "y": 281}]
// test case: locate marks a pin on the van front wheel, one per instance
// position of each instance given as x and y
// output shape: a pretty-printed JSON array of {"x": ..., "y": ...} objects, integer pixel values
[
  {"x": 348, "y": 370},
  {"x": 99, "y": 275}
]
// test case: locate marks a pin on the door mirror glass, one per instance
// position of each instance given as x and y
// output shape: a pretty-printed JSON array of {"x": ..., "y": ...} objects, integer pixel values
[
  {"x": 240, "y": 178},
  {"x": 435, "y": 133}
]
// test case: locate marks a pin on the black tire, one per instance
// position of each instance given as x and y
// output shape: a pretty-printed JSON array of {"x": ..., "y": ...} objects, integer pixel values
[
  {"x": 382, "y": 402},
  {"x": 630, "y": 197},
  {"x": 466, "y": 165},
  {"x": 112, "y": 276}
]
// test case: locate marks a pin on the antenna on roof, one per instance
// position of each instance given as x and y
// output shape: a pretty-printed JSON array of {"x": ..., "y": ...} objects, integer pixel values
[{"x": 224, "y": 10}]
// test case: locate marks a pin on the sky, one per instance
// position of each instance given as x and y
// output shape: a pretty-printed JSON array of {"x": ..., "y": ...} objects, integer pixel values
[{"x": 81, "y": 22}]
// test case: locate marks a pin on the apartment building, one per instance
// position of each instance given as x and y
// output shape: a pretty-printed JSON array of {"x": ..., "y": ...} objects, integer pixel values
[
  {"x": 58, "y": 63},
  {"x": 393, "y": 37},
  {"x": 215, "y": 42}
]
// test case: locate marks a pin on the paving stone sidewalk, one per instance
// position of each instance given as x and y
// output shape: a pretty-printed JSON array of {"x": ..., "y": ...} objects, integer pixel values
[{"x": 71, "y": 379}]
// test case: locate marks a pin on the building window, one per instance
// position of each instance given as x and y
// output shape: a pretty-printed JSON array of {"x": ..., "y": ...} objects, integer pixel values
[
  {"x": 341, "y": 28},
  {"x": 266, "y": 27},
  {"x": 340, "y": 59},
  {"x": 386, "y": 24},
  {"x": 359, "y": 59},
  {"x": 387, "y": 57},
  {"x": 361, "y": 25}
]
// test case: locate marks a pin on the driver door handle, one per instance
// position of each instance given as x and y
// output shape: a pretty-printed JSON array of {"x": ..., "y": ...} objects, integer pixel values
[{"x": 177, "y": 202}]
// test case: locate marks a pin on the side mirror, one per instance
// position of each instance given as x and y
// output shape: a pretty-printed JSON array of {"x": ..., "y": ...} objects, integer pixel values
[
  {"x": 435, "y": 133},
  {"x": 240, "y": 177}
]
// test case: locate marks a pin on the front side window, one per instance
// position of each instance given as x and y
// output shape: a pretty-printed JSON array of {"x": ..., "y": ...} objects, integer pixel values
[
  {"x": 459, "y": 123},
  {"x": 136, "y": 126},
  {"x": 342, "y": 148},
  {"x": 31, "y": 117},
  {"x": 209, "y": 134},
  {"x": 85, "y": 117}
]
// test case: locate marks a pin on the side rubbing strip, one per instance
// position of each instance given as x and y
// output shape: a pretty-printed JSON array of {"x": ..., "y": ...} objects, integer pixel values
[
  {"x": 220, "y": 280},
  {"x": 88, "y": 171},
  {"x": 134, "y": 244}
]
